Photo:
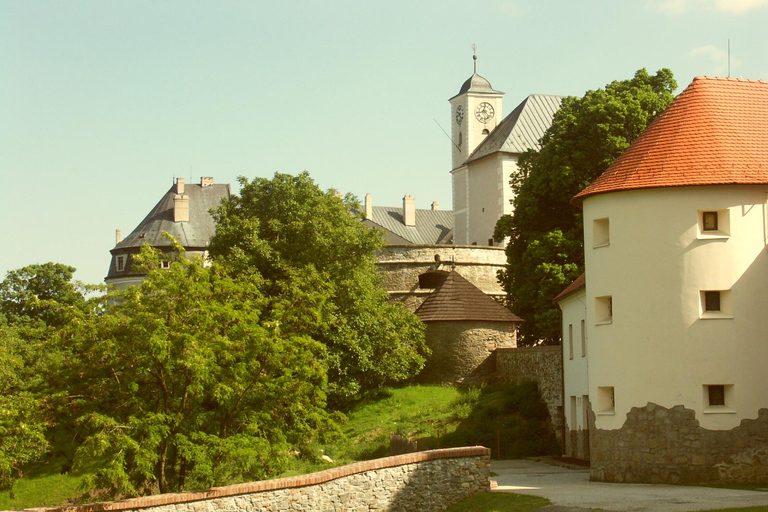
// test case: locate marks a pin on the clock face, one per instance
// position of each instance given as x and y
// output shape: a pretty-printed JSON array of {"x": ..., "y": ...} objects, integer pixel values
[
  {"x": 484, "y": 112},
  {"x": 459, "y": 114}
]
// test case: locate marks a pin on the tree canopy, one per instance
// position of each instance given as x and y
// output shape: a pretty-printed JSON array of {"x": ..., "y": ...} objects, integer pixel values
[
  {"x": 314, "y": 259},
  {"x": 183, "y": 384},
  {"x": 545, "y": 250}
]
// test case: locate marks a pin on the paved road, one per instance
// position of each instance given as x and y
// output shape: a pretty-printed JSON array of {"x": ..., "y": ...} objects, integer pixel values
[{"x": 570, "y": 490}]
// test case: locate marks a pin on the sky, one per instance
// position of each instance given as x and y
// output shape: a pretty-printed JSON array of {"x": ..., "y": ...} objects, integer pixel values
[{"x": 103, "y": 104}]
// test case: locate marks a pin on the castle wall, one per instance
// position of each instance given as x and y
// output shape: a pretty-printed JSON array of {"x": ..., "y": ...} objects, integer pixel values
[
  {"x": 424, "y": 481},
  {"x": 660, "y": 445}
]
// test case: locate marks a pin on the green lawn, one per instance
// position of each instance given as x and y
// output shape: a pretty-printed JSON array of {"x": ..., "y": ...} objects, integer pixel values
[{"x": 499, "y": 502}]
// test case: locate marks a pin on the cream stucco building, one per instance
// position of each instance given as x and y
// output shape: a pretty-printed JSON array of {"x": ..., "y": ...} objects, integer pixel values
[{"x": 675, "y": 236}]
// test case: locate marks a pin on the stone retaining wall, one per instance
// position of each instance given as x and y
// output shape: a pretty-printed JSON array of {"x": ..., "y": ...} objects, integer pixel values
[
  {"x": 424, "y": 481},
  {"x": 660, "y": 445},
  {"x": 544, "y": 365}
]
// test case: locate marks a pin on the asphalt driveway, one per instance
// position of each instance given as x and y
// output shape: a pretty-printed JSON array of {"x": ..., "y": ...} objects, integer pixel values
[{"x": 570, "y": 490}]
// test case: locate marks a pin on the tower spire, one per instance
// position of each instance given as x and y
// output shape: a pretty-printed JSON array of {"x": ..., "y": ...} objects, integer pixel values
[{"x": 474, "y": 56}]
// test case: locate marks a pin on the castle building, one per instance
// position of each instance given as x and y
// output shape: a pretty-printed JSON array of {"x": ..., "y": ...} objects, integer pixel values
[
  {"x": 184, "y": 213},
  {"x": 675, "y": 236}
]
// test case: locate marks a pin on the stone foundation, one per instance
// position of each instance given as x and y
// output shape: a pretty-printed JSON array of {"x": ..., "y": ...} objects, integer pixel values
[
  {"x": 424, "y": 481},
  {"x": 660, "y": 445}
]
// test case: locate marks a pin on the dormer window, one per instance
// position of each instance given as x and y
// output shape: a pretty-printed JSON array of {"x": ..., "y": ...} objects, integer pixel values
[{"x": 120, "y": 262}]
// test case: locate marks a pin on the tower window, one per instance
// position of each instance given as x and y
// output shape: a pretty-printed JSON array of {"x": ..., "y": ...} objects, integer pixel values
[
  {"x": 709, "y": 221},
  {"x": 711, "y": 301},
  {"x": 120, "y": 262},
  {"x": 716, "y": 304},
  {"x": 604, "y": 309},
  {"x": 600, "y": 233},
  {"x": 485, "y": 131},
  {"x": 459, "y": 142},
  {"x": 606, "y": 400}
]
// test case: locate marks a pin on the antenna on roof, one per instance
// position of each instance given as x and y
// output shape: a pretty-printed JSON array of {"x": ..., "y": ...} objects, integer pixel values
[
  {"x": 729, "y": 58},
  {"x": 474, "y": 56},
  {"x": 446, "y": 134}
]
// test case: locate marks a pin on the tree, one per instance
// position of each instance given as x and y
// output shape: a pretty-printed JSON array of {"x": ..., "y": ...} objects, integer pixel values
[
  {"x": 545, "y": 250},
  {"x": 182, "y": 383},
  {"x": 316, "y": 263},
  {"x": 22, "y": 423},
  {"x": 39, "y": 292}
]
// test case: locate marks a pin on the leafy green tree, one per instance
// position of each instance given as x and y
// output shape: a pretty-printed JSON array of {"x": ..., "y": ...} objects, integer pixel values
[
  {"x": 545, "y": 250},
  {"x": 22, "y": 422},
  {"x": 39, "y": 292},
  {"x": 182, "y": 383},
  {"x": 316, "y": 263}
]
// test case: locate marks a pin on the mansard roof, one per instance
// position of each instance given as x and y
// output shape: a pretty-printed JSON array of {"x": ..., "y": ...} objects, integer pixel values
[
  {"x": 522, "y": 128},
  {"x": 459, "y": 300},
  {"x": 714, "y": 133}
]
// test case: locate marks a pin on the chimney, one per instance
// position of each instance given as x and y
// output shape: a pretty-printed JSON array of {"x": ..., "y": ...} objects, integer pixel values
[
  {"x": 368, "y": 206},
  {"x": 179, "y": 185},
  {"x": 118, "y": 236},
  {"x": 435, "y": 206},
  {"x": 409, "y": 210},
  {"x": 206, "y": 181},
  {"x": 181, "y": 206}
]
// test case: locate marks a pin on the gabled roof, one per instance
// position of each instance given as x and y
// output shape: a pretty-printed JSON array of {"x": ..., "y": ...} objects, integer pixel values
[
  {"x": 714, "y": 133},
  {"x": 432, "y": 227},
  {"x": 522, "y": 128},
  {"x": 458, "y": 299},
  {"x": 196, "y": 233},
  {"x": 579, "y": 283}
]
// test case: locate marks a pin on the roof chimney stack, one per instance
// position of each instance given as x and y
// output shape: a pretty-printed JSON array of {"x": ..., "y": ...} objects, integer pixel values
[
  {"x": 179, "y": 185},
  {"x": 118, "y": 236},
  {"x": 206, "y": 181},
  {"x": 409, "y": 210},
  {"x": 435, "y": 206},
  {"x": 368, "y": 206}
]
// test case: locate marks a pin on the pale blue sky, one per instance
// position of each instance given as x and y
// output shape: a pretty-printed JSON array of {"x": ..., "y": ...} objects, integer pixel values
[{"x": 103, "y": 103}]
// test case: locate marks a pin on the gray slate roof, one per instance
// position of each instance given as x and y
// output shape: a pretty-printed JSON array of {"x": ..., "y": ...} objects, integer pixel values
[
  {"x": 457, "y": 299},
  {"x": 522, "y": 128},
  {"x": 432, "y": 226},
  {"x": 194, "y": 234},
  {"x": 478, "y": 85}
]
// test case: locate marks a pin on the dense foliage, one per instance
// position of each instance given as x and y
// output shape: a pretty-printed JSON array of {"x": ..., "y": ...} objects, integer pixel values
[
  {"x": 315, "y": 262},
  {"x": 183, "y": 385},
  {"x": 545, "y": 250}
]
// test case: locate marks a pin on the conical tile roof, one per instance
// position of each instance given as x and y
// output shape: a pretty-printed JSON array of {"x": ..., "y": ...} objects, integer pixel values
[{"x": 458, "y": 299}]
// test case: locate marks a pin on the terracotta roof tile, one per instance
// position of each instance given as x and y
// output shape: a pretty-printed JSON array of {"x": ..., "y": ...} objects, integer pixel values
[
  {"x": 714, "y": 133},
  {"x": 579, "y": 283},
  {"x": 458, "y": 299}
]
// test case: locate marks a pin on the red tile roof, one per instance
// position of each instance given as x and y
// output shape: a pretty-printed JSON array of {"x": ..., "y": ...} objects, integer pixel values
[
  {"x": 714, "y": 133},
  {"x": 458, "y": 299},
  {"x": 579, "y": 283}
]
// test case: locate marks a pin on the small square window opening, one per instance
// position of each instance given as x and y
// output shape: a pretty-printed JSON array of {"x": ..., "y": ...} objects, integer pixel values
[
  {"x": 712, "y": 301},
  {"x": 710, "y": 221},
  {"x": 716, "y": 394}
]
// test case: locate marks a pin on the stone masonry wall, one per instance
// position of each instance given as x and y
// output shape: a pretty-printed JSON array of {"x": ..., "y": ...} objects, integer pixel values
[
  {"x": 577, "y": 443},
  {"x": 463, "y": 352},
  {"x": 401, "y": 266},
  {"x": 660, "y": 445},
  {"x": 424, "y": 481},
  {"x": 544, "y": 365}
]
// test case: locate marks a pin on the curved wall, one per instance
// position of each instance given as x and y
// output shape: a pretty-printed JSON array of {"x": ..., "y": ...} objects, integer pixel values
[{"x": 659, "y": 344}]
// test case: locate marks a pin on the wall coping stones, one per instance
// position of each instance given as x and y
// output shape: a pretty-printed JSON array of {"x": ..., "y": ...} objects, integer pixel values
[{"x": 278, "y": 483}]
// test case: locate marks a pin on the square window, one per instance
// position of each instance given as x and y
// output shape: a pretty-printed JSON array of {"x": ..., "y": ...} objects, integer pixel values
[
  {"x": 709, "y": 221},
  {"x": 606, "y": 400},
  {"x": 601, "y": 236},
  {"x": 716, "y": 394},
  {"x": 711, "y": 301},
  {"x": 604, "y": 309}
]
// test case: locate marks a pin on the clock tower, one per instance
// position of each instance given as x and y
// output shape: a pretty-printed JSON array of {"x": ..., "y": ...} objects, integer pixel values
[{"x": 475, "y": 112}]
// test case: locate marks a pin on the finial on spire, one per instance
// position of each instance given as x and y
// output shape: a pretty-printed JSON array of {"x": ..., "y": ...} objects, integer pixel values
[{"x": 474, "y": 56}]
